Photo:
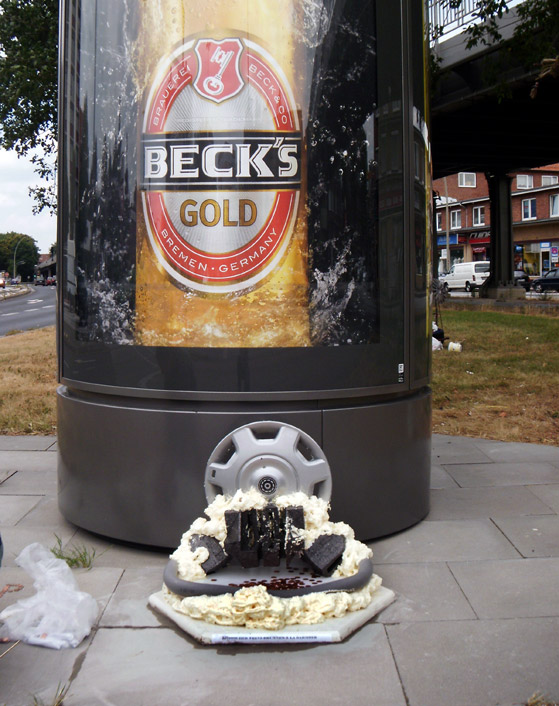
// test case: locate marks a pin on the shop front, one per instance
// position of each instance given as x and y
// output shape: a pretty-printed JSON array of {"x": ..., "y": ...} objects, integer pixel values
[
  {"x": 535, "y": 258},
  {"x": 457, "y": 244}
]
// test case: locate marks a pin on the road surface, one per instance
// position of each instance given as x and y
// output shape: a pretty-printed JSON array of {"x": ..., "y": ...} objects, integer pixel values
[{"x": 34, "y": 310}]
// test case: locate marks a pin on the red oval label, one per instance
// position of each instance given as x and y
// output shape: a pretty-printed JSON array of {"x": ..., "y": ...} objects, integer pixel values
[{"x": 221, "y": 165}]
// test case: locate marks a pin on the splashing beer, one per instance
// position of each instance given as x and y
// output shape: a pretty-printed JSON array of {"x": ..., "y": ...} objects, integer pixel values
[{"x": 222, "y": 239}]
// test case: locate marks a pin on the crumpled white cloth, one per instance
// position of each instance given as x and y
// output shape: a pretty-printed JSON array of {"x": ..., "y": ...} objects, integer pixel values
[{"x": 58, "y": 615}]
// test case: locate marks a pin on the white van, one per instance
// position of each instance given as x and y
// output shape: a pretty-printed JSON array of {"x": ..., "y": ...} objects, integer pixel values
[{"x": 466, "y": 275}]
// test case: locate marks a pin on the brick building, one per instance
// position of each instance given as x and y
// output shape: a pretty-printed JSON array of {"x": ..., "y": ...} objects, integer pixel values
[{"x": 462, "y": 200}]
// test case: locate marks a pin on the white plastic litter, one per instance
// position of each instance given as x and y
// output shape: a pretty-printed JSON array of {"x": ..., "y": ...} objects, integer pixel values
[
  {"x": 456, "y": 347},
  {"x": 437, "y": 345},
  {"x": 58, "y": 615}
]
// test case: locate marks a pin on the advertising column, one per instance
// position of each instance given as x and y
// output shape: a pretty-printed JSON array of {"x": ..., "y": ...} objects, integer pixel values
[{"x": 243, "y": 219}]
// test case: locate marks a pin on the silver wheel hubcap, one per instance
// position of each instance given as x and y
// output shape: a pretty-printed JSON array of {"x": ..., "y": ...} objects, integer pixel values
[{"x": 273, "y": 457}]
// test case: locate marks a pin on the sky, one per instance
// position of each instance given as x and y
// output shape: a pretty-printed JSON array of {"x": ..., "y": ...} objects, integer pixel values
[{"x": 16, "y": 205}]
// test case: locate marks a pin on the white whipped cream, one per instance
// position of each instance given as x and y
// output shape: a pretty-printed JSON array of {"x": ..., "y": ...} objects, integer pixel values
[
  {"x": 316, "y": 523},
  {"x": 254, "y": 606}
]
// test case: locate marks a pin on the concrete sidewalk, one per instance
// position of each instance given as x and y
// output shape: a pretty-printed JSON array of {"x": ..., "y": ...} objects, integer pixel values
[{"x": 475, "y": 622}]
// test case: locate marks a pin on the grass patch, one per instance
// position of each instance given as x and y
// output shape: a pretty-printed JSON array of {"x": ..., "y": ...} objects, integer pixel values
[
  {"x": 539, "y": 699},
  {"x": 28, "y": 399},
  {"x": 77, "y": 557},
  {"x": 58, "y": 698},
  {"x": 504, "y": 383}
]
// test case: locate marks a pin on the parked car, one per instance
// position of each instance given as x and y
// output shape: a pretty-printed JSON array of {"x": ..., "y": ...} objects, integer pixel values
[
  {"x": 39, "y": 279},
  {"x": 549, "y": 282},
  {"x": 2, "y": 283},
  {"x": 466, "y": 275},
  {"x": 522, "y": 279}
]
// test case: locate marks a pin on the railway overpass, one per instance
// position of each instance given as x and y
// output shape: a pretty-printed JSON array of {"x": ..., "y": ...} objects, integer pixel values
[{"x": 494, "y": 126}]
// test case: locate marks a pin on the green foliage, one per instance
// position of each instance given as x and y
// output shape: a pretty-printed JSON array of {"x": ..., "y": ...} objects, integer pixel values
[
  {"x": 536, "y": 36},
  {"x": 57, "y": 699},
  {"x": 28, "y": 72},
  {"x": 28, "y": 86},
  {"x": 77, "y": 557},
  {"x": 26, "y": 252},
  {"x": 487, "y": 32}
]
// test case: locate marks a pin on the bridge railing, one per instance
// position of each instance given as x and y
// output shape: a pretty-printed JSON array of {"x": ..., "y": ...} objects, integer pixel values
[{"x": 446, "y": 21}]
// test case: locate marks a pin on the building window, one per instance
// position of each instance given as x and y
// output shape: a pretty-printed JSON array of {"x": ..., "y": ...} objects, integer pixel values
[
  {"x": 479, "y": 216},
  {"x": 524, "y": 181},
  {"x": 528, "y": 209},
  {"x": 455, "y": 219},
  {"x": 554, "y": 205},
  {"x": 549, "y": 180},
  {"x": 467, "y": 179},
  {"x": 439, "y": 221}
]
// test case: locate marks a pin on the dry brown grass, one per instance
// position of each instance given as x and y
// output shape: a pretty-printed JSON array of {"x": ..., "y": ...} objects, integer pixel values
[
  {"x": 504, "y": 383},
  {"x": 502, "y": 386},
  {"x": 28, "y": 382}
]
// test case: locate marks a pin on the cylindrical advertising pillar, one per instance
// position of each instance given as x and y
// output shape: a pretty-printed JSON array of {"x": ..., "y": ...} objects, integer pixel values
[{"x": 243, "y": 236}]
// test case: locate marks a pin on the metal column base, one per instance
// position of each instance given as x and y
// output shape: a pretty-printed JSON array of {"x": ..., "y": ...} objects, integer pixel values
[{"x": 133, "y": 469}]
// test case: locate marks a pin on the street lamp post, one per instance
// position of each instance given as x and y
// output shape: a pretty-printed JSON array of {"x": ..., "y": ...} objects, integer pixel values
[{"x": 15, "y": 251}]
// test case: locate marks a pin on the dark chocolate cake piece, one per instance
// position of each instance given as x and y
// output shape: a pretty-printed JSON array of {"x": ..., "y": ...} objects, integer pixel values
[
  {"x": 217, "y": 559},
  {"x": 271, "y": 532},
  {"x": 250, "y": 539},
  {"x": 242, "y": 539},
  {"x": 325, "y": 553},
  {"x": 232, "y": 542},
  {"x": 294, "y": 545}
]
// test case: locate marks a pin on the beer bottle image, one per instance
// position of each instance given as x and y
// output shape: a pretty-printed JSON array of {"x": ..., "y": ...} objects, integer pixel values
[{"x": 221, "y": 226}]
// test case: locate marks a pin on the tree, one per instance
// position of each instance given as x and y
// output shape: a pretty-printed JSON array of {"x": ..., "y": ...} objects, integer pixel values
[
  {"x": 28, "y": 86},
  {"x": 26, "y": 254}
]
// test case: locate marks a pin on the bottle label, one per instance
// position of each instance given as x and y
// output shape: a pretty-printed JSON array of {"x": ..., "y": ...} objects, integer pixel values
[{"x": 220, "y": 165}]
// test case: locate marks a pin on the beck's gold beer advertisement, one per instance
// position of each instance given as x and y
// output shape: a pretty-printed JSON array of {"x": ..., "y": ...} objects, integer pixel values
[
  {"x": 221, "y": 173},
  {"x": 222, "y": 243}
]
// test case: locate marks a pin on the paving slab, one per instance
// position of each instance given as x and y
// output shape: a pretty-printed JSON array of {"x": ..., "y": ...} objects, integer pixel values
[
  {"x": 441, "y": 478},
  {"x": 549, "y": 494},
  {"x": 27, "y": 443},
  {"x": 14, "y": 508},
  {"x": 459, "y": 540},
  {"x": 455, "y": 449},
  {"x": 17, "y": 538},
  {"x": 28, "y": 672},
  {"x": 518, "y": 588},
  {"x": 423, "y": 592},
  {"x": 29, "y": 460},
  {"x": 472, "y": 503},
  {"x": 45, "y": 512},
  {"x": 128, "y": 606},
  {"x": 532, "y": 536},
  {"x": 473, "y": 622},
  {"x": 155, "y": 661},
  {"x": 119, "y": 554},
  {"x": 497, "y": 474},
  {"x": 29, "y": 482},
  {"x": 477, "y": 662},
  {"x": 5, "y": 474},
  {"x": 514, "y": 451}
]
